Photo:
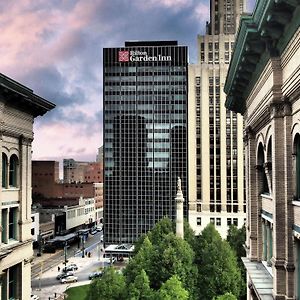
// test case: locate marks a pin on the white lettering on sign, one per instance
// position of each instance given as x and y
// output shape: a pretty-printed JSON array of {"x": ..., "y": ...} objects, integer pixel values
[{"x": 143, "y": 56}]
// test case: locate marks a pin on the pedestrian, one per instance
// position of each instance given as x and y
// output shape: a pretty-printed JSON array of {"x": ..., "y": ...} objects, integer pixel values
[{"x": 58, "y": 268}]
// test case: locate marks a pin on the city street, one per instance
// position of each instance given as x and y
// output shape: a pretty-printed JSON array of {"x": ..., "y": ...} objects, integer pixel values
[{"x": 45, "y": 285}]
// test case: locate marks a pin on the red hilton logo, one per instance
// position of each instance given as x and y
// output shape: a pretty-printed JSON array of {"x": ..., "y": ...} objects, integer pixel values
[{"x": 123, "y": 56}]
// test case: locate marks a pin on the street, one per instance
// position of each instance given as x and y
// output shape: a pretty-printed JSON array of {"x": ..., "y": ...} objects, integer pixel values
[{"x": 45, "y": 268}]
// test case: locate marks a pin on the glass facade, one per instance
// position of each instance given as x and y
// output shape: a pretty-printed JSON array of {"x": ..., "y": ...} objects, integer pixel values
[{"x": 145, "y": 136}]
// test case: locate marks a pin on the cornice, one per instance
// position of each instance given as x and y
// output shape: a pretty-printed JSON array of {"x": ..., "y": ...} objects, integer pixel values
[
  {"x": 263, "y": 35},
  {"x": 19, "y": 96}
]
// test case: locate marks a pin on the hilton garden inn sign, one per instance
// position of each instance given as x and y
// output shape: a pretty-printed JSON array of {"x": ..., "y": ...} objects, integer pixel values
[{"x": 126, "y": 56}]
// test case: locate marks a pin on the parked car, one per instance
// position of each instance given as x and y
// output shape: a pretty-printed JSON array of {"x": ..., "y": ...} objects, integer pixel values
[
  {"x": 74, "y": 266},
  {"x": 69, "y": 279},
  {"x": 34, "y": 297},
  {"x": 64, "y": 275},
  {"x": 94, "y": 232},
  {"x": 70, "y": 268},
  {"x": 95, "y": 275},
  {"x": 99, "y": 228}
]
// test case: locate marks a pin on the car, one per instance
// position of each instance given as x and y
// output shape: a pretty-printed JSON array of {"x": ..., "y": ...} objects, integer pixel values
[
  {"x": 95, "y": 275},
  {"x": 34, "y": 297},
  {"x": 69, "y": 279},
  {"x": 70, "y": 268},
  {"x": 99, "y": 228},
  {"x": 64, "y": 275},
  {"x": 74, "y": 266}
]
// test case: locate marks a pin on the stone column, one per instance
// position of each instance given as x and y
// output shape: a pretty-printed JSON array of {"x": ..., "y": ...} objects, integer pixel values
[
  {"x": 179, "y": 210},
  {"x": 251, "y": 196},
  {"x": 279, "y": 200}
]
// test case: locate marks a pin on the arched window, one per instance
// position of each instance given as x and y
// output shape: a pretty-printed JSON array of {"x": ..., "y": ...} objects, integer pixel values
[
  {"x": 4, "y": 170},
  {"x": 297, "y": 169},
  {"x": 13, "y": 170},
  {"x": 268, "y": 165},
  {"x": 261, "y": 170}
]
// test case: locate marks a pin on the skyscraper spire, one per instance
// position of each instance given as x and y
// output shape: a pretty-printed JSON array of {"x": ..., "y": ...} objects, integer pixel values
[{"x": 179, "y": 210}]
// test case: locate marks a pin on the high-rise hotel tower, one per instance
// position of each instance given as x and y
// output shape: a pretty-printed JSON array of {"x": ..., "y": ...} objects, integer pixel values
[
  {"x": 145, "y": 136},
  {"x": 216, "y": 175}
]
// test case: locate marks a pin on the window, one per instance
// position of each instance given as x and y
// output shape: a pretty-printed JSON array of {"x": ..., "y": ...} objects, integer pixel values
[
  {"x": 212, "y": 220},
  {"x": 218, "y": 221},
  {"x": 297, "y": 148},
  {"x": 4, "y": 226},
  {"x": 198, "y": 221},
  {"x": 235, "y": 221},
  {"x": 267, "y": 233},
  {"x": 12, "y": 282},
  {"x": 12, "y": 223},
  {"x": 228, "y": 221},
  {"x": 4, "y": 170},
  {"x": 13, "y": 169}
]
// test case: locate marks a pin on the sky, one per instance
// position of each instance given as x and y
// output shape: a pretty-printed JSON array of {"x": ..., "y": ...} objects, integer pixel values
[{"x": 55, "y": 47}]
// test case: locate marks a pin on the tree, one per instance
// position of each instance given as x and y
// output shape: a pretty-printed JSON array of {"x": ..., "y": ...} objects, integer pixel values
[
  {"x": 173, "y": 256},
  {"x": 218, "y": 272},
  {"x": 227, "y": 296},
  {"x": 236, "y": 238},
  {"x": 162, "y": 255},
  {"x": 189, "y": 234},
  {"x": 111, "y": 286},
  {"x": 140, "y": 288},
  {"x": 160, "y": 230},
  {"x": 172, "y": 290},
  {"x": 141, "y": 261}
]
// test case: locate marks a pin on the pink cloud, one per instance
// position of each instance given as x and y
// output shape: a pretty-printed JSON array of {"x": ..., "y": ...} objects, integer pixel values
[{"x": 61, "y": 140}]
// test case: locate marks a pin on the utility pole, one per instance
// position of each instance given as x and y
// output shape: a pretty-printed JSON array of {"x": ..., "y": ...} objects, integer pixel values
[
  {"x": 83, "y": 240},
  {"x": 40, "y": 278},
  {"x": 65, "y": 254}
]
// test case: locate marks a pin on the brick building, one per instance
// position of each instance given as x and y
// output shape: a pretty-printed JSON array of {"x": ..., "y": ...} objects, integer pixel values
[
  {"x": 263, "y": 84},
  {"x": 78, "y": 171}
]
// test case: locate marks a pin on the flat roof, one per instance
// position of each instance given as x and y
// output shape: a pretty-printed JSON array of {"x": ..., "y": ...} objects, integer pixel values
[
  {"x": 121, "y": 248},
  {"x": 150, "y": 43}
]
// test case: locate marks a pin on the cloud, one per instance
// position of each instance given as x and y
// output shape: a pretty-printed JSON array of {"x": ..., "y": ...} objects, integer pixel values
[{"x": 55, "y": 48}]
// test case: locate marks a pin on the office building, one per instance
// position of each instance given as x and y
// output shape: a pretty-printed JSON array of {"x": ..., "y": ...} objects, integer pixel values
[
  {"x": 216, "y": 175},
  {"x": 145, "y": 136},
  {"x": 263, "y": 85},
  {"x": 19, "y": 106}
]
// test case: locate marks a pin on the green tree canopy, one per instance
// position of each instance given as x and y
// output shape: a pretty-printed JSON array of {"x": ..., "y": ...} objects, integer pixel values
[
  {"x": 160, "y": 230},
  {"x": 111, "y": 286},
  {"x": 227, "y": 296},
  {"x": 141, "y": 261},
  {"x": 161, "y": 255},
  {"x": 173, "y": 256},
  {"x": 189, "y": 234},
  {"x": 218, "y": 272},
  {"x": 236, "y": 238},
  {"x": 172, "y": 290},
  {"x": 140, "y": 288}
]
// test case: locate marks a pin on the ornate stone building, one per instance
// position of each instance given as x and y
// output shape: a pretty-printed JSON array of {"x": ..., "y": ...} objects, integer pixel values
[
  {"x": 18, "y": 108},
  {"x": 263, "y": 84}
]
